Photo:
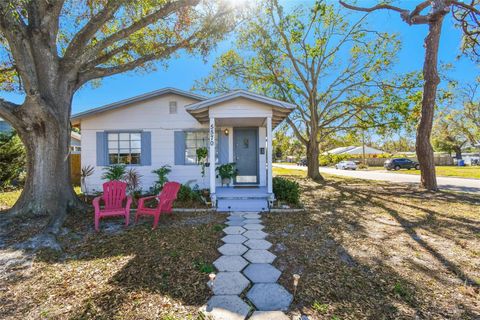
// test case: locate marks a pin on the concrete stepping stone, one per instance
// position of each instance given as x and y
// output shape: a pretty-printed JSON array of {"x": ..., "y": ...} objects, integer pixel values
[
  {"x": 235, "y": 223},
  {"x": 251, "y": 216},
  {"x": 234, "y": 230},
  {"x": 226, "y": 307},
  {"x": 252, "y": 221},
  {"x": 269, "y": 315},
  {"x": 262, "y": 272},
  {"x": 235, "y": 218},
  {"x": 230, "y": 263},
  {"x": 259, "y": 256},
  {"x": 229, "y": 283},
  {"x": 232, "y": 249},
  {"x": 234, "y": 239},
  {"x": 258, "y": 244},
  {"x": 269, "y": 297},
  {"x": 255, "y": 234},
  {"x": 253, "y": 226}
]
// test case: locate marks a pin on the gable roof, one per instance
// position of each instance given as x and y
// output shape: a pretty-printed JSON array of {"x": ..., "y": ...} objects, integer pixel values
[
  {"x": 239, "y": 94},
  {"x": 281, "y": 109},
  {"x": 139, "y": 98}
]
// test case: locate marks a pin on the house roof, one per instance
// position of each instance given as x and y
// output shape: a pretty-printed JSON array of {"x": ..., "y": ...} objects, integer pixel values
[
  {"x": 281, "y": 109},
  {"x": 355, "y": 150},
  {"x": 138, "y": 98}
]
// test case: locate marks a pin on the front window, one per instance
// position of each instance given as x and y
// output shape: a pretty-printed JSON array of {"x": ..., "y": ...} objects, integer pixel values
[
  {"x": 124, "y": 147},
  {"x": 195, "y": 140}
]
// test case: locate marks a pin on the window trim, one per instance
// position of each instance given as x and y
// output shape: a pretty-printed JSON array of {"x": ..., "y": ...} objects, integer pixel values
[
  {"x": 107, "y": 155},
  {"x": 217, "y": 143}
]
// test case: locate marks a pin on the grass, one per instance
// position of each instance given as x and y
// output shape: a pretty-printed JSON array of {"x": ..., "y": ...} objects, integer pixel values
[
  {"x": 118, "y": 273},
  {"x": 444, "y": 171},
  {"x": 8, "y": 199},
  {"x": 375, "y": 250}
]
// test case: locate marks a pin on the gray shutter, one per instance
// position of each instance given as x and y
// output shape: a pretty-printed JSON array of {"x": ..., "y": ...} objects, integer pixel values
[
  {"x": 102, "y": 152},
  {"x": 179, "y": 145},
  {"x": 146, "y": 155},
  {"x": 222, "y": 148}
]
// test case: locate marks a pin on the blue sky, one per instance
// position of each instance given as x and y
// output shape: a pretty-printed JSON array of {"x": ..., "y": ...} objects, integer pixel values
[{"x": 184, "y": 70}]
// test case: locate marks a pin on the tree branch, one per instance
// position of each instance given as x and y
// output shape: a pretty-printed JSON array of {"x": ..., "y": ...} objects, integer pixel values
[
  {"x": 296, "y": 131},
  {"x": 8, "y": 111},
  {"x": 166, "y": 10},
  {"x": 81, "y": 39}
]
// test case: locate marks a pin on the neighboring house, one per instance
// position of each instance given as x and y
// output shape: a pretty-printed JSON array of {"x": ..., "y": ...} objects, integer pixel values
[
  {"x": 167, "y": 126},
  {"x": 75, "y": 143},
  {"x": 355, "y": 150}
]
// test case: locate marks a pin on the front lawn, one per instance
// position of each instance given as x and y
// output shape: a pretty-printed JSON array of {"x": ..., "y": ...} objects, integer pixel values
[
  {"x": 118, "y": 273},
  {"x": 373, "y": 250},
  {"x": 444, "y": 171}
]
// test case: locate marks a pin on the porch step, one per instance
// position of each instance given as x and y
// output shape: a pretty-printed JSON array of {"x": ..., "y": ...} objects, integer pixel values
[{"x": 242, "y": 205}]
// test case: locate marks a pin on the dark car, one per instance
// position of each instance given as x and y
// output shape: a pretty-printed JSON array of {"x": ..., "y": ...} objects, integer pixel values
[
  {"x": 401, "y": 163},
  {"x": 302, "y": 162}
]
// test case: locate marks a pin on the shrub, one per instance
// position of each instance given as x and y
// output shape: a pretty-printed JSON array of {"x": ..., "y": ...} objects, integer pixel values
[
  {"x": 114, "y": 172},
  {"x": 12, "y": 161},
  {"x": 331, "y": 159},
  {"x": 187, "y": 194},
  {"x": 162, "y": 178},
  {"x": 286, "y": 190}
]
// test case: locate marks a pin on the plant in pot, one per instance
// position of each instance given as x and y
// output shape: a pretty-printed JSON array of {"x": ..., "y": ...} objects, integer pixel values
[
  {"x": 202, "y": 154},
  {"x": 227, "y": 172}
]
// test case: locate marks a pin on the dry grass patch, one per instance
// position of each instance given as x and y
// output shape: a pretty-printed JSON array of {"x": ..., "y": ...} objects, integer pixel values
[
  {"x": 132, "y": 273},
  {"x": 372, "y": 250}
]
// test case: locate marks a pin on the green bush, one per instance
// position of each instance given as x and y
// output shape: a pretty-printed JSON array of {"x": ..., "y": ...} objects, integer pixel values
[
  {"x": 187, "y": 193},
  {"x": 331, "y": 159},
  {"x": 286, "y": 190},
  {"x": 162, "y": 178},
  {"x": 12, "y": 161}
]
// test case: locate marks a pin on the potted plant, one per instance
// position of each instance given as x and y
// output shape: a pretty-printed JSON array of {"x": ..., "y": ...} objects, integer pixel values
[
  {"x": 227, "y": 172},
  {"x": 202, "y": 154}
]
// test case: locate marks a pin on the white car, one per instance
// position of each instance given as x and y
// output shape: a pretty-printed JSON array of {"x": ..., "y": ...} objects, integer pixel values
[{"x": 345, "y": 165}]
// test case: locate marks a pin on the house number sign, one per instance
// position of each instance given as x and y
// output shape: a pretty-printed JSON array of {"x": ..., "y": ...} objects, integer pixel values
[{"x": 212, "y": 134}]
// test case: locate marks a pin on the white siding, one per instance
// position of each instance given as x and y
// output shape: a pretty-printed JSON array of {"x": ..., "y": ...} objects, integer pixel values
[
  {"x": 240, "y": 108},
  {"x": 153, "y": 115}
]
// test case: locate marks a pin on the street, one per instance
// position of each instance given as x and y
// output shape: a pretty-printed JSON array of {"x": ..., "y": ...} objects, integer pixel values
[{"x": 444, "y": 183}]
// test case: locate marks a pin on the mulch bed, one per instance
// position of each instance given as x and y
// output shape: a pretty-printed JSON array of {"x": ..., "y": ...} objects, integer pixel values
[
  {"x": 372, "y": 250},
  {"x": 132, "y": 273}
]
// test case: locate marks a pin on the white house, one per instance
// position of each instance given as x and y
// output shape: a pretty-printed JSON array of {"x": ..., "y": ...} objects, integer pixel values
[
  {"x": 165, "y": 127},
  {"x": 355, "y": 150}
]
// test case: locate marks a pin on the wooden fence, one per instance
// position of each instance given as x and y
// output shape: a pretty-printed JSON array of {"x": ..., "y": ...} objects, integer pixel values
[{"x": 75, "y": 167}]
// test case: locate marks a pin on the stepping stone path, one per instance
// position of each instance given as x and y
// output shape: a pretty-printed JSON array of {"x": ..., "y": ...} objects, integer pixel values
[{"x": 246, "y": 265}]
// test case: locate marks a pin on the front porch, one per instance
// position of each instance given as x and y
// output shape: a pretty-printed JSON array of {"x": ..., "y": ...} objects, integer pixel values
[{"x": 242, "y": 122}]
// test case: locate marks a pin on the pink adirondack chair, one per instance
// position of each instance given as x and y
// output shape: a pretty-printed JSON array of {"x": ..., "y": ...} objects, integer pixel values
[
  {"x": 165, "y": 203},
  {"x": 114, "y": 195}
]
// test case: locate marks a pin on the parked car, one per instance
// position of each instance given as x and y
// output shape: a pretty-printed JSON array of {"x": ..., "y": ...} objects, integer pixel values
[
  {"x": 346, "y": 165},
  {"x": 401, "y": 163},
  {"x": 302, "y": 162}
]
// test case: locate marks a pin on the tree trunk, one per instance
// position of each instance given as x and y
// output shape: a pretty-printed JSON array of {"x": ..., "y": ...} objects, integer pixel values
[
  {"x": 48, "y": 189},
  {"x": 458, "y": 153},
  {"x": 424, "y": 148},
  {"x": 312, "y": 161}
]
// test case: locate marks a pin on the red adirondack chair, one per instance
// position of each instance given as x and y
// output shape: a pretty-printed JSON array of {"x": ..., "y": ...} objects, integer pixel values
[
  {"x": 165, "y": 203},
  {"x": 114, "y": 195}
]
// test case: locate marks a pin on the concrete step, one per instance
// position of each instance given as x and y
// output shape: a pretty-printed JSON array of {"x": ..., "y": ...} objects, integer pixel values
[{"x": 242, "y": 205}]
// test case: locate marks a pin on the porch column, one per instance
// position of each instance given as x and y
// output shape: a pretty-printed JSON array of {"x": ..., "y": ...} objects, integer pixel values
[
  {"x": 269, "y": 155},
  {"x": 212, "y": 155}
]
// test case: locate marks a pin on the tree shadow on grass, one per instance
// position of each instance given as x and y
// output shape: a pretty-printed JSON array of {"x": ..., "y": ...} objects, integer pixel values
[
  {"x": 345, "y": 248},
  {"x": 127, "y": 273}
]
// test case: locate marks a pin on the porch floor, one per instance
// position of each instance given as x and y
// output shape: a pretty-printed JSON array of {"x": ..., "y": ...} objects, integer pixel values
[
  {"x": 241, "y": 193},
  {"x": 242, "y": 199}
]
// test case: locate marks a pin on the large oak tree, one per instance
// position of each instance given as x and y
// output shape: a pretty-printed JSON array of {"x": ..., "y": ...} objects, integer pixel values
[
  {"x": 51, "y": 48},
  {"x": 467, "y": 15},
  {"x": 333, "y": 70}
]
